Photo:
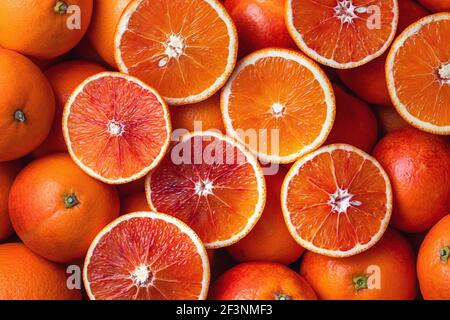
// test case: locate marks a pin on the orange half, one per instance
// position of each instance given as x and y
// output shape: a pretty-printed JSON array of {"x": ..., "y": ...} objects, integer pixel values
[
  {"x": 342, "y": 34},
  {"x": 116, "y": 127},
  {"x": 185, "y": 49},
  {"x": 213, "y": 184},
  {"x": 146, "y": 256},
  {"x": 279, "y": 104},
  {"x": 418, "y": 74},
  {"x": 337, "y": 201}
]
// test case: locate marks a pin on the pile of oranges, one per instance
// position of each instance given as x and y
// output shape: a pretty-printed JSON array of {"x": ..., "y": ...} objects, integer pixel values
[{"x": 234, "y": 149}]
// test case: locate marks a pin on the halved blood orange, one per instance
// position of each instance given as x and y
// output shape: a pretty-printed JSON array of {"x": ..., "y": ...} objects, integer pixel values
[
  {"x": 116, "y": 127},
  {"x": 280, "y": 104},
  {"x": 337, "y": 201},
  {"x": 342, "y": 34},
  {"x": 213, "y": 184},
  {"x": 185, "y": 49},
  {"x": 146, "y": 256},
  {"x": 418, "y": 74}
]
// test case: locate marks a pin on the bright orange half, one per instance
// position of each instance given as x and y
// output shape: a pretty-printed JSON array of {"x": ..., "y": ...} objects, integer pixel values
[
  {"x": 280, "y": 104},
  {"x": 146, "y": 256},
  {"x": 418, "y": 74},
  {"x": 213, "y": 184},
  {"x": 337, "y": 201},
  {"x": 342, "y": 34},
  {"x": 116, "y": 127},
  {"x": 185, "y": 49}
]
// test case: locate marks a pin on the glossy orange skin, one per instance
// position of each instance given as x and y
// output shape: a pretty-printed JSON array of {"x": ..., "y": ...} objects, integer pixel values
[
  {"x": 369, "y": 80},
  {"x": 207, "y": 114},
  {"x": 27, "y": 276},
  {"x": 8, "y": 171},
  {"x": 332, "y": 278},
  {"x": 25, "y": 89},
  {"x": 436, "y": 5},
  {"x": 260, "y": 24},
  {"x": 433, "y": 273},
  {"x": 270, "y": 239},
  {"x": 39, "y": 214},
  {"x": 418, "y": 165},
  {"x": 134, "y": 203},
  {"x": 34, "y": 28},
  {"x": 103, "y": 27},
  {"x": 389, "y": 120},
  {"x": 261, "y": 281},
  {"x": 64, "y": 79},
  {"x": 355, "y": 122}
]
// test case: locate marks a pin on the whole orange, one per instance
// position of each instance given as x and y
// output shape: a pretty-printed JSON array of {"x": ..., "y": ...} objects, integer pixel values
[
  {"x": 64, "y": 79},
  {"x": 134, "y": 203},
  {"x": 130, "y": 188},
  {"x": 261, "y": 281},
  {"x": 433, "y": 262},
  {"x": 355, "y": 122},
  {"x": 103, "y": 27},
  {"x": 260, "y": 24},
  {"x": 270, "y": 239},
  {"x": 202, "y": 116},
  {"x": 8, "y": 171},
  {"x": 436, "y": 5},
  {"x": 369, "y": 80},
  {"x": 27, "y": 106},
  {"x": 44, "y": 29},
  {"x": 389, "y": 120},
  {"x": 418, "y": 165},
  {"x": 57, "y": 210},
  {"x": 384, "y": 272},
  {"x": 27, "y": 276}
]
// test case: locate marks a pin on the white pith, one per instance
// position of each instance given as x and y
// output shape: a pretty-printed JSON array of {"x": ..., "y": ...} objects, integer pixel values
[
  {"x": 278, "y": 110},
  {"x": 444, "y": 73},
  {"x": 142, "y": 276},
  {"x": 176, "y": 45},
  {"x": 287, "y": 214},
  {"x": 159, "y": 216},
  {"x": 345, "y": 16},
  {"x": 261, "y": 186},
  {"x": 411, "y": 31},
  {"x": 87, "y": 169},
  {"x": 204, "y": 188},
  {"x": 341, "y": 200},
  {"x": 319, "y": 76},
  {"x": 116, "y": 128}
]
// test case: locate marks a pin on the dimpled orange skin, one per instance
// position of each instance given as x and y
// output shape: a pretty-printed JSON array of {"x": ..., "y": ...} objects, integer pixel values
[
  {"x": 418, "y": 165},
  {"x": 64, "y": 79},
  {"x": 102, "y": 30},
  {"x": 260, "y": 24},
  {"x": 369, "y": 80},
  {"x": 389, "y": 120},
  {"x": 355, "y": 122},
  {"x": 261, "y": 281},
  {"x": 35, "y": 29},
  {"x": 436, "y": 5},
  {"x": 8, "y": 171},
  {"x": 27, "y": 276},
  {"x": 27, "y": 106},
  {"x": 270, "y": 239},
  {"x": 41, "y": 217},
  {"x": 332, "y": 278},
  {"x": 433, "y": 272}
]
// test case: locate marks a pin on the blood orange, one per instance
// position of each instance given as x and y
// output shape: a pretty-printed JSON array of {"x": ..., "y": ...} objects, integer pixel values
[
  {"x": 116, "y": 127},
  {"x": 337, "y": 201},
  {"x": 146, "y": 256},
  {"x": 213, "y": 184}
]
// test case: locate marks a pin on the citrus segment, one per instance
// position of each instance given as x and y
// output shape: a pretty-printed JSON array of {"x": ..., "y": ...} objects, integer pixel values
[
  {"x": 116, "y": 127},
  {"x": 146, "y": 256},
  {"x": 337, "y": 201},
  {"x": 279, "y": 103},
  {"x": 185, "y": 49},
  {"x": 342, "y": 34},
  {"x": 213, "y": 184},
  {"x": 418, "y": 74}
]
